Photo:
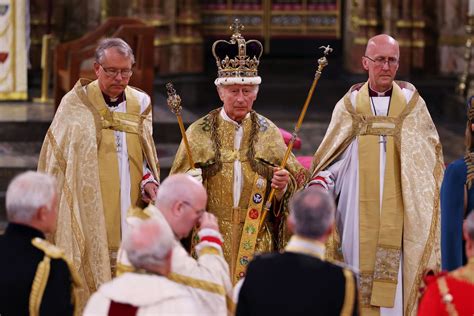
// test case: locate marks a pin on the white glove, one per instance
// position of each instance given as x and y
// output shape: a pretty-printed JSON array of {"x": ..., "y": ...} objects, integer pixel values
[{"x": 196, "y": 173}]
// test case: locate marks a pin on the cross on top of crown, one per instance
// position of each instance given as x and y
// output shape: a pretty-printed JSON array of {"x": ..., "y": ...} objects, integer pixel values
[{"x": 236, "y": 27}]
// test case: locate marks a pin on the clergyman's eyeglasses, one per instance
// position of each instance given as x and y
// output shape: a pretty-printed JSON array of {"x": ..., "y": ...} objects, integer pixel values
[
  {"x": 113, "y": 72},
  {"x": 380, "y": 61}
]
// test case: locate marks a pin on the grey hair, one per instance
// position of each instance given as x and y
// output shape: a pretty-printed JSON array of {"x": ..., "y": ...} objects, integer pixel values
[
  {"x": 114, "y": 42},
  {"x": 28, "y": 192},
  {"x": 470, "y": 225},
  {"x": 148, "y": 243},
  {"x": 313, "y": 212}
]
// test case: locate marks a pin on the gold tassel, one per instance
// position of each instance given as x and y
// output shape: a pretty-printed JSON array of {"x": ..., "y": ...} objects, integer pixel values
[{"x": 39, "y": 285}]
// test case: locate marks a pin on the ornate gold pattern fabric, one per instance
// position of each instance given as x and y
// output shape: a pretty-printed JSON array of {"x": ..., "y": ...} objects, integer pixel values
[
  {"x": 421, "y": 167},
  {"x": 387, "y": 262},
  {"x": 69, "y": 153},
  {"x": 212, "y": 144},
  {"x": 366, "y": 280}
]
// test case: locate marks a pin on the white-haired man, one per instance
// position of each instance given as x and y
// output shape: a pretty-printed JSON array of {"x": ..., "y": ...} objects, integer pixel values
[
  {"x": 148, "y": 290},
  {"x": 237, "y": 153},
  {"x": 101, "y": 150},
  {"x": 306, "y": 284},
  {"x": 452, "y": 293},
  {"x": 381, "y": 158},
  {"x": 35, "y": 277},
  {"x": 180, "y": 206}
]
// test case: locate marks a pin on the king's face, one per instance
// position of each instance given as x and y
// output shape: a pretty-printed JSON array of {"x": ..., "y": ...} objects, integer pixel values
[{"x": 238, "y": 100}]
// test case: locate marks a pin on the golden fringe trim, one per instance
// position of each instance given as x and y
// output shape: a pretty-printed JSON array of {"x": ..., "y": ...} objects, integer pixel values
[
  {"x": 39, "y": 284},
  {"x": 197, "y": 284},
  {"x": 348, "y": 306},
  {"x": 212, "y": 170}
]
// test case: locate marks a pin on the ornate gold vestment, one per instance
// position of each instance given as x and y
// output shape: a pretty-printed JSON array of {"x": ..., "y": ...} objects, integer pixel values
[
  {"x": 212, "y": 144},
  {"x": 416, "y": 168},
  {"x": 70, "y": 153}
]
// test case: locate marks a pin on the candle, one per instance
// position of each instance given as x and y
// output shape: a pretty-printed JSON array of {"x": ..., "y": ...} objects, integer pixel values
[{"x": 471, "y": 7}]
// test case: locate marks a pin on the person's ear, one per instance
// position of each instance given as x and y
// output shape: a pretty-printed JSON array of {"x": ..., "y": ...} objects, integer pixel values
[
  {"x": 220, "y": 92},
  {"x": 96, "y": 69},
  {"x": 365, "y": 63},
  {"x": 40, "y": 214},
  {"x": 177, "y": 209}
]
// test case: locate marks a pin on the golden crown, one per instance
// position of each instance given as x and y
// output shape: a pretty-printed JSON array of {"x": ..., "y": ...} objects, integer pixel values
[{"x": 237, "y": 60}]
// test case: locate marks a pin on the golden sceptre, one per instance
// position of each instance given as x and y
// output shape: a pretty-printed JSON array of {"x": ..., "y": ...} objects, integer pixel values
[
  {"x": 174, "y": 103},
  {"x": 323, "y": 62}
]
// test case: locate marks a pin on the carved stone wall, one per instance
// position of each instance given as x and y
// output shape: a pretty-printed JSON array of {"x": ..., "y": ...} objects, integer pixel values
[
  {"x": 411, "y": 22},
  {"x": 452, "y": 36}
]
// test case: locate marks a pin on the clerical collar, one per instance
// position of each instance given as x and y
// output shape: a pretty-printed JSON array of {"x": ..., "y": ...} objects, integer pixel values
[
  {"x": 114, "y": 102},
  {"x": 387, "y": 93}
]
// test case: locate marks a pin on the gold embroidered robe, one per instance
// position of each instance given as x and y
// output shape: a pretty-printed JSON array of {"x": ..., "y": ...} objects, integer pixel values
[
  {"x": 421, "y": 168},
  {"x": 262, "y": 147},
  {"x": 70, "y": 154}
]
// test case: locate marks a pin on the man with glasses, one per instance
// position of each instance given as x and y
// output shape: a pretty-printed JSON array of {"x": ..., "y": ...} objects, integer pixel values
[
  {"x": 101, "y": 150},
  {"x": 381, "y": 158}
]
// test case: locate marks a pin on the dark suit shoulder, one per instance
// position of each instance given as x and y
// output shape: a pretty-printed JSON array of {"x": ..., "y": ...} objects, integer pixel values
[{"x": 312, "y": 285}]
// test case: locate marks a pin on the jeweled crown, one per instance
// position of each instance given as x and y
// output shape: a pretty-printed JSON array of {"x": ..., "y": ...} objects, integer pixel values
[{"x": 237, "y": 60}]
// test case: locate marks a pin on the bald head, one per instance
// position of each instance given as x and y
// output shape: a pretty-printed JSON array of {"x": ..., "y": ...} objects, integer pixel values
[
  {"x": 379, "y": 40},
  {"x": 182, "y": 200},
  {"x": 178, "y": 187}
]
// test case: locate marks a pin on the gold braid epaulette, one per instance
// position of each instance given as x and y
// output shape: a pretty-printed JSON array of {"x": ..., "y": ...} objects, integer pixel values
[
  {"x": 470, "y": 112},
  {"x": 42, "y": 274},
  {"x": 256, "y": 166},
  {"x": 469, "y": 160}
]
